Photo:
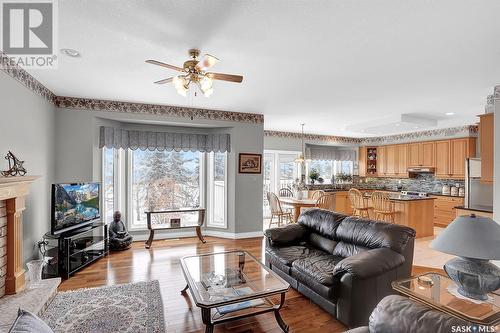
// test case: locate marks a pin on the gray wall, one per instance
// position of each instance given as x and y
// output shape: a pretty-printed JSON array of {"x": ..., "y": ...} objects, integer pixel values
[
  {"x": 79, "y": 158},
  {"x": 27, "y": 129}
]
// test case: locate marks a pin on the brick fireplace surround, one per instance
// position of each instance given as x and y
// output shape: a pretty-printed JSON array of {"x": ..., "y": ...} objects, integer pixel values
[{"x": 13, "y": 191}]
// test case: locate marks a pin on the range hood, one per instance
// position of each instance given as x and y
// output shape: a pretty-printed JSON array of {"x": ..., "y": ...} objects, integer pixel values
[{"x": 420, "y": 170}]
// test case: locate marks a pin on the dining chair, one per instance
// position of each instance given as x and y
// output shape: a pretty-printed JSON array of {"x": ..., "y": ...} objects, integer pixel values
[
  {"x": 358, "y": 204},
  {"x": 383, "y": 208},
  {"x": 317, "y": 194},
  {"x": 326, "y": 201},
  {"x": 277, "y": 211},
  {"x": 285, "y": 192}
]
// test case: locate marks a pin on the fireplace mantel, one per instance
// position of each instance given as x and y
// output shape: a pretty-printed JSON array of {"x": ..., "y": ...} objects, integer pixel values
[
  {"x": 13, "y": 191},
  {"x": 12, "y": 187}
]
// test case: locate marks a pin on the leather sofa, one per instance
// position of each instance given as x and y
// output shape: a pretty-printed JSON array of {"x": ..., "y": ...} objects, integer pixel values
[
  {"x": 398, "y": 314},
  {"x": 344, "y": 264}
]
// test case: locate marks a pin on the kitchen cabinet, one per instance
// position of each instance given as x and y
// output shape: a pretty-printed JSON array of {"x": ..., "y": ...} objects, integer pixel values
[
  {"x": 362, "y": 161},
  {"x": 343, "y": 203},
  {"x": 486, "y": 137},
  {"x": 421, "y": 154},
  {"x": 391, "y": 159},
  {"x": 402, "y": 161},
  {"x": 382, "y": 161},
  {"x": 444, "y": 209},
  {"x": 451, "y": 155},
  {"x": 443, "y": 159}
]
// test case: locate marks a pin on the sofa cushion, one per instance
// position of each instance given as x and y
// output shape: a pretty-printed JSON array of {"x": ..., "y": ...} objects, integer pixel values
[
  {"x": 283, "y": 257},
  {"x": 322, "y": 243},
  {"x": 372, "y": 234},
  {"x": 321, "y": 221},
  {"x": 316, "y": 271}
]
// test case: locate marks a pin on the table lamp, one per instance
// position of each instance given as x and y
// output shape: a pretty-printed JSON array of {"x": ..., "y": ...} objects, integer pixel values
[{"x": 475, "y": 240}]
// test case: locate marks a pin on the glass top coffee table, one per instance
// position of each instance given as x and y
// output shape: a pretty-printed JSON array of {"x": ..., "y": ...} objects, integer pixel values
[
  {"x": 232, "y": 285},
  {"x": 439, "y": 292}
]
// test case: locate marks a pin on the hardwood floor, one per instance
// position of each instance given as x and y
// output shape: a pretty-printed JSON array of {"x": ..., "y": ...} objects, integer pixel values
[{"x": 161, "y": 263}]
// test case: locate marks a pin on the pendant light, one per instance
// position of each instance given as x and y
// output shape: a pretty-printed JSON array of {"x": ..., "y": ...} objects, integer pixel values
[{"x": 301, "y": 158}]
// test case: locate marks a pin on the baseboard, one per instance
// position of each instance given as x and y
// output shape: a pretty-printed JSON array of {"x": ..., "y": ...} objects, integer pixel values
[{"x": 144, "y": 235}]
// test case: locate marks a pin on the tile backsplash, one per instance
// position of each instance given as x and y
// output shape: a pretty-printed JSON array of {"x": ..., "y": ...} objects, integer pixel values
[{"x": 423, "y": 182}]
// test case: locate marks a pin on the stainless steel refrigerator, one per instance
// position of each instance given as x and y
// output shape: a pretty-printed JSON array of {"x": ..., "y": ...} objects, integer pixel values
[{"x": 477, "y": 194}]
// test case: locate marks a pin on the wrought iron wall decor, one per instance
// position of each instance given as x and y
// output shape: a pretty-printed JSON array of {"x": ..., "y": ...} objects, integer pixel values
[{"x": 15, "y": 166}]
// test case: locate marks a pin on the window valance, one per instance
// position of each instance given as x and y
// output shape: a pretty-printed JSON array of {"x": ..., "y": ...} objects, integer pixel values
[
  {"x": 329, "y": 153},
  {"x": 111, "y": 137}
]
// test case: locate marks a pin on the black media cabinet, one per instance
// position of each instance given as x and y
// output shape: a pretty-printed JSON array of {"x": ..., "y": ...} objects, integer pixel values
[{"x": 72, "y": 251}]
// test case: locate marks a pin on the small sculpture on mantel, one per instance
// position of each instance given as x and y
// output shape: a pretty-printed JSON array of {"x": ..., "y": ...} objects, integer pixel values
[{"x": 15, "y": 166}]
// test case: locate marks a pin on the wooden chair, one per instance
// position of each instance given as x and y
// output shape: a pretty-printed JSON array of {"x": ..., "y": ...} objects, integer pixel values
[
  {"x": 277, "y": 211},
  {"x": 358, "y": 204},
  {"x": 285, "y": 192},
  {"x": 327, "y": 202},
  {"x": 317, "y": 194},
  {"x": 383, "y": 207}
]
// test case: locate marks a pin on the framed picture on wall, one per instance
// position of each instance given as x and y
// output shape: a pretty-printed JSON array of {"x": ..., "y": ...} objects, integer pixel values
[{"x": 250, "y": 163}]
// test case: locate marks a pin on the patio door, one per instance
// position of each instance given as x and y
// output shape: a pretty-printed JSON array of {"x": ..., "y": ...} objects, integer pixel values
[{"x": 280, "y": 171}]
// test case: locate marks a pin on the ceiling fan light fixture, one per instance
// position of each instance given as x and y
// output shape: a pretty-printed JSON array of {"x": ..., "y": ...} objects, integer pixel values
[{"x": 205, "y": 83}]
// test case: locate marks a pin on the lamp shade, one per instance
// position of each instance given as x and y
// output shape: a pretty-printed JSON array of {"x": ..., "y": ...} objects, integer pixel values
[{"x": 470, "y": 237}]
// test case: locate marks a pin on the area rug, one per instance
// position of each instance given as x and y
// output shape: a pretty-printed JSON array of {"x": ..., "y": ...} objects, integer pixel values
[{"x": 133, "y": 307}]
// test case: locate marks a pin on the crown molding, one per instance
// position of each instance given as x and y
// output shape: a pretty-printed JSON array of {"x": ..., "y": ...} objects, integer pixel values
[
  {"x": 468, "y": 130},
  {"x": 20, "y": 75},
  {"x": 156, "y": 109},
  {"x": 313, "y": 137}
]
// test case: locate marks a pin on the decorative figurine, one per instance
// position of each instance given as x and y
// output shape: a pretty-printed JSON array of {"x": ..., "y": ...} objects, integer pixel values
[
  {"x": 119, "y": 238},
  {"x": 15, "y": 166}
]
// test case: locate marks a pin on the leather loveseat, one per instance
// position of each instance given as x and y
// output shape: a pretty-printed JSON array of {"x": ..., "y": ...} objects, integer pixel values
[{"x": 342, "y": 263}]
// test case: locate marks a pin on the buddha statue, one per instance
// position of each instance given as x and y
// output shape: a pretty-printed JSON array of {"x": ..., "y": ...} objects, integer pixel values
[{"x": 119, "y": 238}]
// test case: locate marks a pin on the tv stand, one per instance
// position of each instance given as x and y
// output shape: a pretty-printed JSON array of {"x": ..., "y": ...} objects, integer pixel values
[{"x": 75, "y": 249}]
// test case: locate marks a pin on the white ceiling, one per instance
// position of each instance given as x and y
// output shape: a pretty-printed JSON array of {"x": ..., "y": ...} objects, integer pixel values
[{"x": 341, "y": 67}]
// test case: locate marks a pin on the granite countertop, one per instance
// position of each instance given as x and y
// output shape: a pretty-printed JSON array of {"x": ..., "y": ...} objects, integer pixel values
[
  {"x": 477, "y": 208},
  {"x": 446, "y": 195},
  {"x": 400, "y": 197}
]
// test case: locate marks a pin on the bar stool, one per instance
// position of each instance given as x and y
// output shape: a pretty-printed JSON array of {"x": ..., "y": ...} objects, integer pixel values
[
  {"x": 383, "y": 207},
  {"x": 358, "y": 204}
]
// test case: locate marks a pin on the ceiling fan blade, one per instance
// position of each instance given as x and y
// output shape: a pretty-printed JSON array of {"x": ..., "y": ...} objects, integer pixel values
[
  {"x": 164, "y": 81},
  {"x": 226, "y": 77},
  {"x": 159, "y": 63},
  {"x": 207, "y": 62}
]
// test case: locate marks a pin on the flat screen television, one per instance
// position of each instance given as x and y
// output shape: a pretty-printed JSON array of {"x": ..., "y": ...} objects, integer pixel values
[{"x": 74, "y": 205}]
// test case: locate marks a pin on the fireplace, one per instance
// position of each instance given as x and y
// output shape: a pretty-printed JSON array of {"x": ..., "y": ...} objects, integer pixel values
[{"x": 13, "y": 191}]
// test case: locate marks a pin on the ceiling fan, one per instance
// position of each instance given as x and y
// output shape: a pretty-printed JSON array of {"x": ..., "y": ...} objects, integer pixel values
[{"x": 194, "y": 71}]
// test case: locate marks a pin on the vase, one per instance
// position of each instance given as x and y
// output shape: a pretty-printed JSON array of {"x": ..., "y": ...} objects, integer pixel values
[
  {"x": 35, "y": 268},
  {"x": 298, "y": 195}
]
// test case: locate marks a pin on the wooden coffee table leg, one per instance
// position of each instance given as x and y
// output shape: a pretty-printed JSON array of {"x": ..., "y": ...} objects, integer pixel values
[
  {"x": 200, "y": 236},
  {"x": 280, "y": 321},
  {"x": 150, "y": 239},
  {"x": 207, "y": 320},
  {"x": 183, "y": 291}
]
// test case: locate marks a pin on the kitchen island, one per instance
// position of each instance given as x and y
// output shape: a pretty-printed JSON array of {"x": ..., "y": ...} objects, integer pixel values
[{"x": 410, "y": 210}]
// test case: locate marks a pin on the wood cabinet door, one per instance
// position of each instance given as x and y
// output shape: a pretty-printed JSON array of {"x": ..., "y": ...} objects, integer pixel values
[
  {"x": 414, "y": 154},
  {"x": 402, "y": 153},
  {"x": 392, "y": 160},
  {"x": 427, "y": 153},
  {"x": 458, "y": 153},
  {"x": 487, "y": 143},
  {"x": 362, "y": 161},
  {"x": 443, "y": 158},
  {"x": 381, "y": 161}
]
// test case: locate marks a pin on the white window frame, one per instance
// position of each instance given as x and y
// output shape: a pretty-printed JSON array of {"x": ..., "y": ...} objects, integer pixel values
[
  {"x": 128, "y": 192},
  {"x": 210, "y": 188}
]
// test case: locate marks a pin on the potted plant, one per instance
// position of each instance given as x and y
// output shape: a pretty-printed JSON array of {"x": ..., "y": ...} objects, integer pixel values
[{"x": 313, "y": 175}]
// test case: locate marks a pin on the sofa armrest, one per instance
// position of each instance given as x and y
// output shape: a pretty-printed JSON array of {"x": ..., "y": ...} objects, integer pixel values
[
  {"x": 286, "y": 235},
  {"x": 369, "y": 263}
]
